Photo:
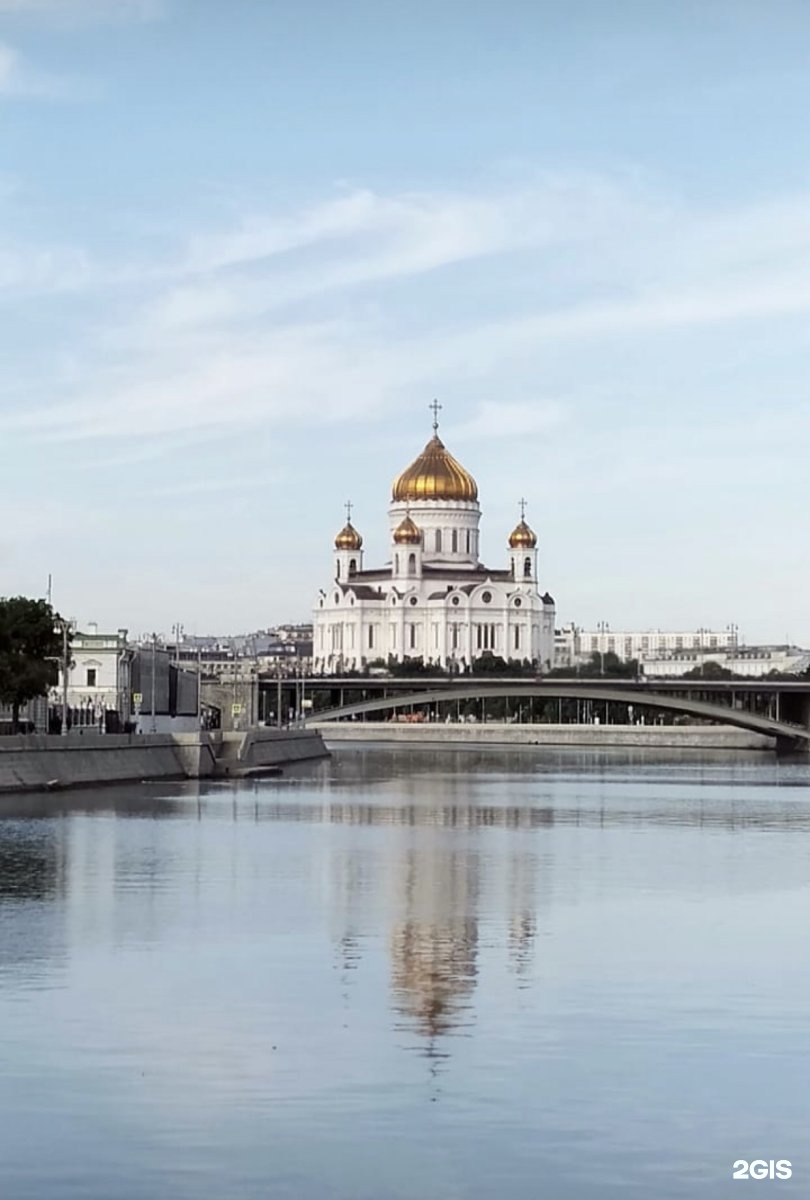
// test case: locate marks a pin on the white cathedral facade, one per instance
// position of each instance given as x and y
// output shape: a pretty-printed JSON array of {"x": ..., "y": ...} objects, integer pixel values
[{"x": 434, "y": 600}]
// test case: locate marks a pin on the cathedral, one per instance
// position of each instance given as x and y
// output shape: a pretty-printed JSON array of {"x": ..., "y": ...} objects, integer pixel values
[{"x": 434, "y": 601}]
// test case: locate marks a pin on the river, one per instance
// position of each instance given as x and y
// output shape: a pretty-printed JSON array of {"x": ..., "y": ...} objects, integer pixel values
[{"x": 409, "y": 975}]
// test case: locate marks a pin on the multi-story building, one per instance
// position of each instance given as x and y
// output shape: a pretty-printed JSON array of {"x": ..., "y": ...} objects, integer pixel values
[{"x": 575, "y": 645}]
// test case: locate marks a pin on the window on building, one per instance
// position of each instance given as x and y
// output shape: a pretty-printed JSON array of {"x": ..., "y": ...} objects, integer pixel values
[
  {"x": 337, "y": 569},
  {"x": 454, "y": 637},
  {"x": 454, "y": 537},
  {"x": 396, "y": 563},
  {"x": 594, "y": 643},
  {"x": 411, "y": 564},
  {"x": 91, "y": 676},
  {"x": 352, "y": 566},
  {"x": 527, "y": 568},
  {"x": 412, "y": 636},
  {"x": 438, "y": 539},
  {"x": 485, "y": 637},
  {"x": 517, "y": 637},
  {"x": 468, "y": 541},
  {"x": 371, "y": 637}
]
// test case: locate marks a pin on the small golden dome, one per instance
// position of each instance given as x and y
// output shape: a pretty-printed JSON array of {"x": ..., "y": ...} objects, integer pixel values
[
  {"x": 435, "y": 475},
  {"x": 348, "y": 538},
  {"x": 406, "y": 533},
  {"x": 522, "y": 537}
]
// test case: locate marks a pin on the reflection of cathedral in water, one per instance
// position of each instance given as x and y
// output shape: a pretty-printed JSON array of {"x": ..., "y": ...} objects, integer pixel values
[
  {"x": 434, "y": 943},
  {"x": 450, "y": 862}
]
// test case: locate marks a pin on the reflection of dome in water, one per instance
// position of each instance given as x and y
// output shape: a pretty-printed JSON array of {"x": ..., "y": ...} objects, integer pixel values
[
  {"x": 433, "y": 972},
  {"x": 435, "y": 475}
]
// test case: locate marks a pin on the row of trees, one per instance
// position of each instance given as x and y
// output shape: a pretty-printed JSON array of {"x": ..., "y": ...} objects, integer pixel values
[{"x": 598, "y": 666}]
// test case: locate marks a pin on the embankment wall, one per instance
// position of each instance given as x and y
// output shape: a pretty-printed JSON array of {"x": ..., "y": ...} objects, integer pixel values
[
  {"x": 35, "y": 762},
  {"x": 682, "y": 737}
]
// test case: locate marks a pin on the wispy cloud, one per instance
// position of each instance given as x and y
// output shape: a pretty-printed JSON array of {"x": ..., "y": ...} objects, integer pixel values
[
  {"x": 86, "y": 10},
  {"x": 324, "y": 314},
  {"x": 18, "y": 78}
]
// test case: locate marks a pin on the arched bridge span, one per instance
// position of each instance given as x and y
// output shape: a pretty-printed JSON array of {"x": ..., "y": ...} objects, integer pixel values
[{"x": 785, "y": 734}]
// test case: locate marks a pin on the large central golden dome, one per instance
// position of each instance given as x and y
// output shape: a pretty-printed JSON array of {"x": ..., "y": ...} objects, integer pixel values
[{"x": 435, "y": 475}]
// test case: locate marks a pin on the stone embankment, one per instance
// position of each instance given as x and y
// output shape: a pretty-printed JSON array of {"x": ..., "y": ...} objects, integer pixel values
[
  {"x": 36, "y": 762},
  {"x": 682, "y": 737}
]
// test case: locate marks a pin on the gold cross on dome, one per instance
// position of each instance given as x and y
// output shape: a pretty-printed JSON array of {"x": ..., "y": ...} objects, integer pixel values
[
  {"x": 349, "y": 507},
  {"x": 522, "y": 504},
  {"x": 436, "y": 409}
]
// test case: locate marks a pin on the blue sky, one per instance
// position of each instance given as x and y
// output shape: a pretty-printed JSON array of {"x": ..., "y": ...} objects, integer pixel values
[{"x": 243, "y": 246}]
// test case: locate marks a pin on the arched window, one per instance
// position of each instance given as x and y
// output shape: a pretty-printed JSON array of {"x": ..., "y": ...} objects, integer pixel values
[
  {"x": 527, "y": 568},
  {"x": 438, "y": 542},
  {"x": 337, "y": 569},
  {"x": 455, "y": 541},
  {"x": 468, "y": 541},
  {"x": 396, "y": 563},
  {"x": 411, "y": 564},
  {"x": 352, "y": 566}
]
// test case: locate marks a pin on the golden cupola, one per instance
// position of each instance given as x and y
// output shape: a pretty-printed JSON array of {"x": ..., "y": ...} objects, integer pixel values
[
  {"x": 348, "y": 538},
  {"x": 522, "y": 536},
  {"x": 407, "y": 533},
  {"x": 435, "y": 474}
]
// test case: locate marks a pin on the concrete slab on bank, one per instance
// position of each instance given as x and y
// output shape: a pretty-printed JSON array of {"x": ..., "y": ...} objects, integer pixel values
[{"x": 41, "y": 762}]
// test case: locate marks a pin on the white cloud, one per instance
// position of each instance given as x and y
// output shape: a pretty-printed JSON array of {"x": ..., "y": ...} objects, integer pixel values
[
  {"x": 19, "y": 78},
  {"x": 86, "y": 10},
  {"x": 215, "y": 338}
]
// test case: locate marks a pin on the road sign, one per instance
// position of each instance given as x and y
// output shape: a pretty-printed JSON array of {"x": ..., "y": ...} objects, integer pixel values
[{"x": 137, "y": 698}]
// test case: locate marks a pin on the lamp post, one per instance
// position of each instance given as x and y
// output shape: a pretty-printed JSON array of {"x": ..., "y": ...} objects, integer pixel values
[
  {"x": 603, "y": 627},
  {"x": 199, "y": 686},
  {"x": 152, "y": 685},
  {"x": 65, "y": 672}
]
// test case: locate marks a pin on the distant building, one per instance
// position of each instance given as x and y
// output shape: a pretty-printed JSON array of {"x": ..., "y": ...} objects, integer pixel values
[
  {"x": 98, "y": 676},
  {"x": 575, "y": 645},
  {"x": 669, "y": 654},
  {"x": 749, "y": 661}
]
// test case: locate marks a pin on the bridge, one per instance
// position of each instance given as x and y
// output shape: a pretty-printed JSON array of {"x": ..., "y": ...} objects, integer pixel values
[{"x": 716, "y": 701}]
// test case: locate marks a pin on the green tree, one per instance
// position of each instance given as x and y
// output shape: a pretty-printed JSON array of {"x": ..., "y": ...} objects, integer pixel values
[
  {"x": 709, "y": 670},
  {"x": 31, "y": 647}
]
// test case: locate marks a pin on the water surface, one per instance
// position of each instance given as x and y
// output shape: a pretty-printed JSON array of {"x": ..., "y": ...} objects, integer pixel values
[{"x": 443, "y": 975}]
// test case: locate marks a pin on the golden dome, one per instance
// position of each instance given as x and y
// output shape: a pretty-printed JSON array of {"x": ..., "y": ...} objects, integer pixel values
[
  {"x": 406, "y": 533},
  {"x": 348, "y": 538},
  {"x": 522, "y": 537},
  {"x": 435, "y": 475}
]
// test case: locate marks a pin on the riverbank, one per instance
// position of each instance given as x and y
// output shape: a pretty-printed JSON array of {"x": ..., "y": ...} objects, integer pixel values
[
  {"x": 36, "y": 762},
  {"x": 682, "y": 737}
]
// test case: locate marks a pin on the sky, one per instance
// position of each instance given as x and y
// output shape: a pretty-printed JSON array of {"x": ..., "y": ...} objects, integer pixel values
[{"x": 243, "y": 246}]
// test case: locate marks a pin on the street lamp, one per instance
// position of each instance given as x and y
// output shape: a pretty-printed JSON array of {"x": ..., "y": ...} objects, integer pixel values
[
  {"x": 65, "y": 628},
  {"x": 603, "y": 627}
]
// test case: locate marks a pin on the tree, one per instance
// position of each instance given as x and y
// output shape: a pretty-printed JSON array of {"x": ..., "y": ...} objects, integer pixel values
[
  {"x": 31, "y": 647},
  {"x": 709, "y": 670}
]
